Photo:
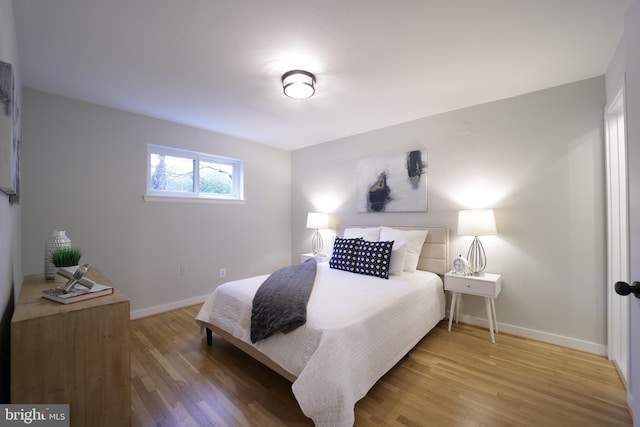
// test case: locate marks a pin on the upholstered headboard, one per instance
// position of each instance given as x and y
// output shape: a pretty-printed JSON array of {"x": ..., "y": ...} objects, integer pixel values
[{"x": 435, "y": 249}]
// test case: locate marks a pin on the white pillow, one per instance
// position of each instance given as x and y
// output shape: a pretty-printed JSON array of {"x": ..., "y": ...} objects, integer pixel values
[
  {"x": 398, "y": 254},
  {"x": 414, "y": 240},
  {"x": 372, "y": 234}
]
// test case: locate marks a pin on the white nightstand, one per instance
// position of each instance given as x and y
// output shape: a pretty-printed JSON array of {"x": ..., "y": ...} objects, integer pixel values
[
  {"x": 487, "y": 286},
  {"x": 319, "y": 258}
]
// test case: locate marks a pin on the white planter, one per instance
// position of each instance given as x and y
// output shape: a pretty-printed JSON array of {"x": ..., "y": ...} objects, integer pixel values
[
  {"x": 57, "y": 240},
  {"x": 61, "y": 279}
]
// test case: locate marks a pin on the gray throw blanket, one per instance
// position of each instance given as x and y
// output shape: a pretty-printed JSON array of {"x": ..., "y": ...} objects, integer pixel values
[{"x": 280, "y": 304}]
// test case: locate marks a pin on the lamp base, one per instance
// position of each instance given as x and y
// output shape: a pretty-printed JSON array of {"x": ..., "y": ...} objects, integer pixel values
[
  {"x": 317, "y": 244},
  {"x": 477, "y": 257}
]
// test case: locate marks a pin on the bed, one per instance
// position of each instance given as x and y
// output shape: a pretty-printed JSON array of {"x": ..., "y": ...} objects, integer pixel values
[{"x": 357, "y": 327}]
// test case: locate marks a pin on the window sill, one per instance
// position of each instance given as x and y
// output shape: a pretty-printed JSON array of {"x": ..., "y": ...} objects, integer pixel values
[{"x": 187, "y": 199}]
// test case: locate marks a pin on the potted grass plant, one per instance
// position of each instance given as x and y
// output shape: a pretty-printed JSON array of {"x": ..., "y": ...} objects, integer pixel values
[{"x": 66, "y": 257}]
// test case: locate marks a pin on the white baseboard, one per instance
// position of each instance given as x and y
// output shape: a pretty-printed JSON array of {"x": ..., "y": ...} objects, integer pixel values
[
  {"x": 137, "y": 314},
  {"x": 547, "y": 337}
]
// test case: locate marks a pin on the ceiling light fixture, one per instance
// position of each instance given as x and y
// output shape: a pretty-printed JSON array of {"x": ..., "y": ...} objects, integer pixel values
[{"x": 298, "y": 84}]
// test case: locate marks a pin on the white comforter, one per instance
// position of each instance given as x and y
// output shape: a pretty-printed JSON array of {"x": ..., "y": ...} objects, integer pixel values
[{"x": 358, "y": 327}]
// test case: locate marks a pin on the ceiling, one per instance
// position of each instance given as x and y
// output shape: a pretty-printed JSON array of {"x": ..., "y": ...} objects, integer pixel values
[{"x": 217, "y": 64}]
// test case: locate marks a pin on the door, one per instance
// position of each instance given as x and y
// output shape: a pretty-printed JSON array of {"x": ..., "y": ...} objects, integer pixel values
[
  {"x": 632, "y": 58},
  {"x": 617, "y": 232}
]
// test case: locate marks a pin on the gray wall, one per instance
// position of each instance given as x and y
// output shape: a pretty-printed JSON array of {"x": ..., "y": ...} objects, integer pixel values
[
  {"x": 84, "y": 172},
  {"x": 10, "y": 273},
  {"x": 537, "y": 160},
  {"x": 614, "y": 78}
]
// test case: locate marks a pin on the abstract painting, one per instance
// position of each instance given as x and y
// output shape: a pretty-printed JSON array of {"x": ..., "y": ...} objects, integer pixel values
[
  {"x": 9, "y": 134},
  {"x": 394, "y": 183}
]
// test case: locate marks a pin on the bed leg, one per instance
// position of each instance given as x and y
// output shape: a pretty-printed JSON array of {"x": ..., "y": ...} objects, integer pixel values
[{"x": 209, "y": 337}]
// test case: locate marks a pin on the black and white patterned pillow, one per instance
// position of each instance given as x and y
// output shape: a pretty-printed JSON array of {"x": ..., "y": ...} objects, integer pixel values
[
  {"x": 344, "y": 253},
  {"x": 373, "y": 258}
]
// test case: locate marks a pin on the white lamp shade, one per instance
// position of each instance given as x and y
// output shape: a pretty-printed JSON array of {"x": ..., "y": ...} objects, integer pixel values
[
  {"x": 476, "y": 223},
  {"x": 317, "y": 220}
]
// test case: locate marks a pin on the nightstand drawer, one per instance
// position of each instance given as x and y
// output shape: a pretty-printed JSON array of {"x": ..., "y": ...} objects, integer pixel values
[{"x": 487, "y": 285}]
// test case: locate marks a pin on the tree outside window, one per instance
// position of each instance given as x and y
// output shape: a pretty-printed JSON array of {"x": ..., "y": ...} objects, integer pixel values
[{"x": 174, "y": 172}]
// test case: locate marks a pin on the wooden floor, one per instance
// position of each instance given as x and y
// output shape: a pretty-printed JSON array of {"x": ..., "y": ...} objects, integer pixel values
[{"x": 448, "y": 379}]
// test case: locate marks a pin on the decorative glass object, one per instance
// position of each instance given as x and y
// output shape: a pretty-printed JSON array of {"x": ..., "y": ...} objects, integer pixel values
[{"x": 57, "y": 240}]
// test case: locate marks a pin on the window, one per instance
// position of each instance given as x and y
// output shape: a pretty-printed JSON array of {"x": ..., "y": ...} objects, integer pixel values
[{"x": 172, "y": 172}]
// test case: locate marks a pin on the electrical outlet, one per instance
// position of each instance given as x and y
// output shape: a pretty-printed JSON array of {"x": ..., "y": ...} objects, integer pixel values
[{"x": 223, "y": 272}]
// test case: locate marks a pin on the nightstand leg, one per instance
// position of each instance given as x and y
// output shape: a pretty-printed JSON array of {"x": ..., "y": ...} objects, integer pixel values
[
  {"x": 458, "y": 306},
  {"x": 487, "y": 301},
  {"x": 454, "y": 298},
  {"x": 495, "y": 319}
]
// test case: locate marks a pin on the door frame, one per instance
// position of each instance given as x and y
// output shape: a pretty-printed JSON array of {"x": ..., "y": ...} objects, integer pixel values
[{"x": 617, "y": 232}]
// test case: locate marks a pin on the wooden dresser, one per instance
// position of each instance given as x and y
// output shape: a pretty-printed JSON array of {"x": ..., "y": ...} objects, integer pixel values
[{"x": 76, "y": 353}]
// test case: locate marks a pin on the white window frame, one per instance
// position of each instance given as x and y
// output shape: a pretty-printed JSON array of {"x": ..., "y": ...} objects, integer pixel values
[{"x": 237, "y": 190}]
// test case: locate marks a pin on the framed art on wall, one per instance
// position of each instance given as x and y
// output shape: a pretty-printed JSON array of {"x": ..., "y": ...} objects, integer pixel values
[
  {"x": 393, "y": 183},
  {"x": 9, "y": 134}
]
